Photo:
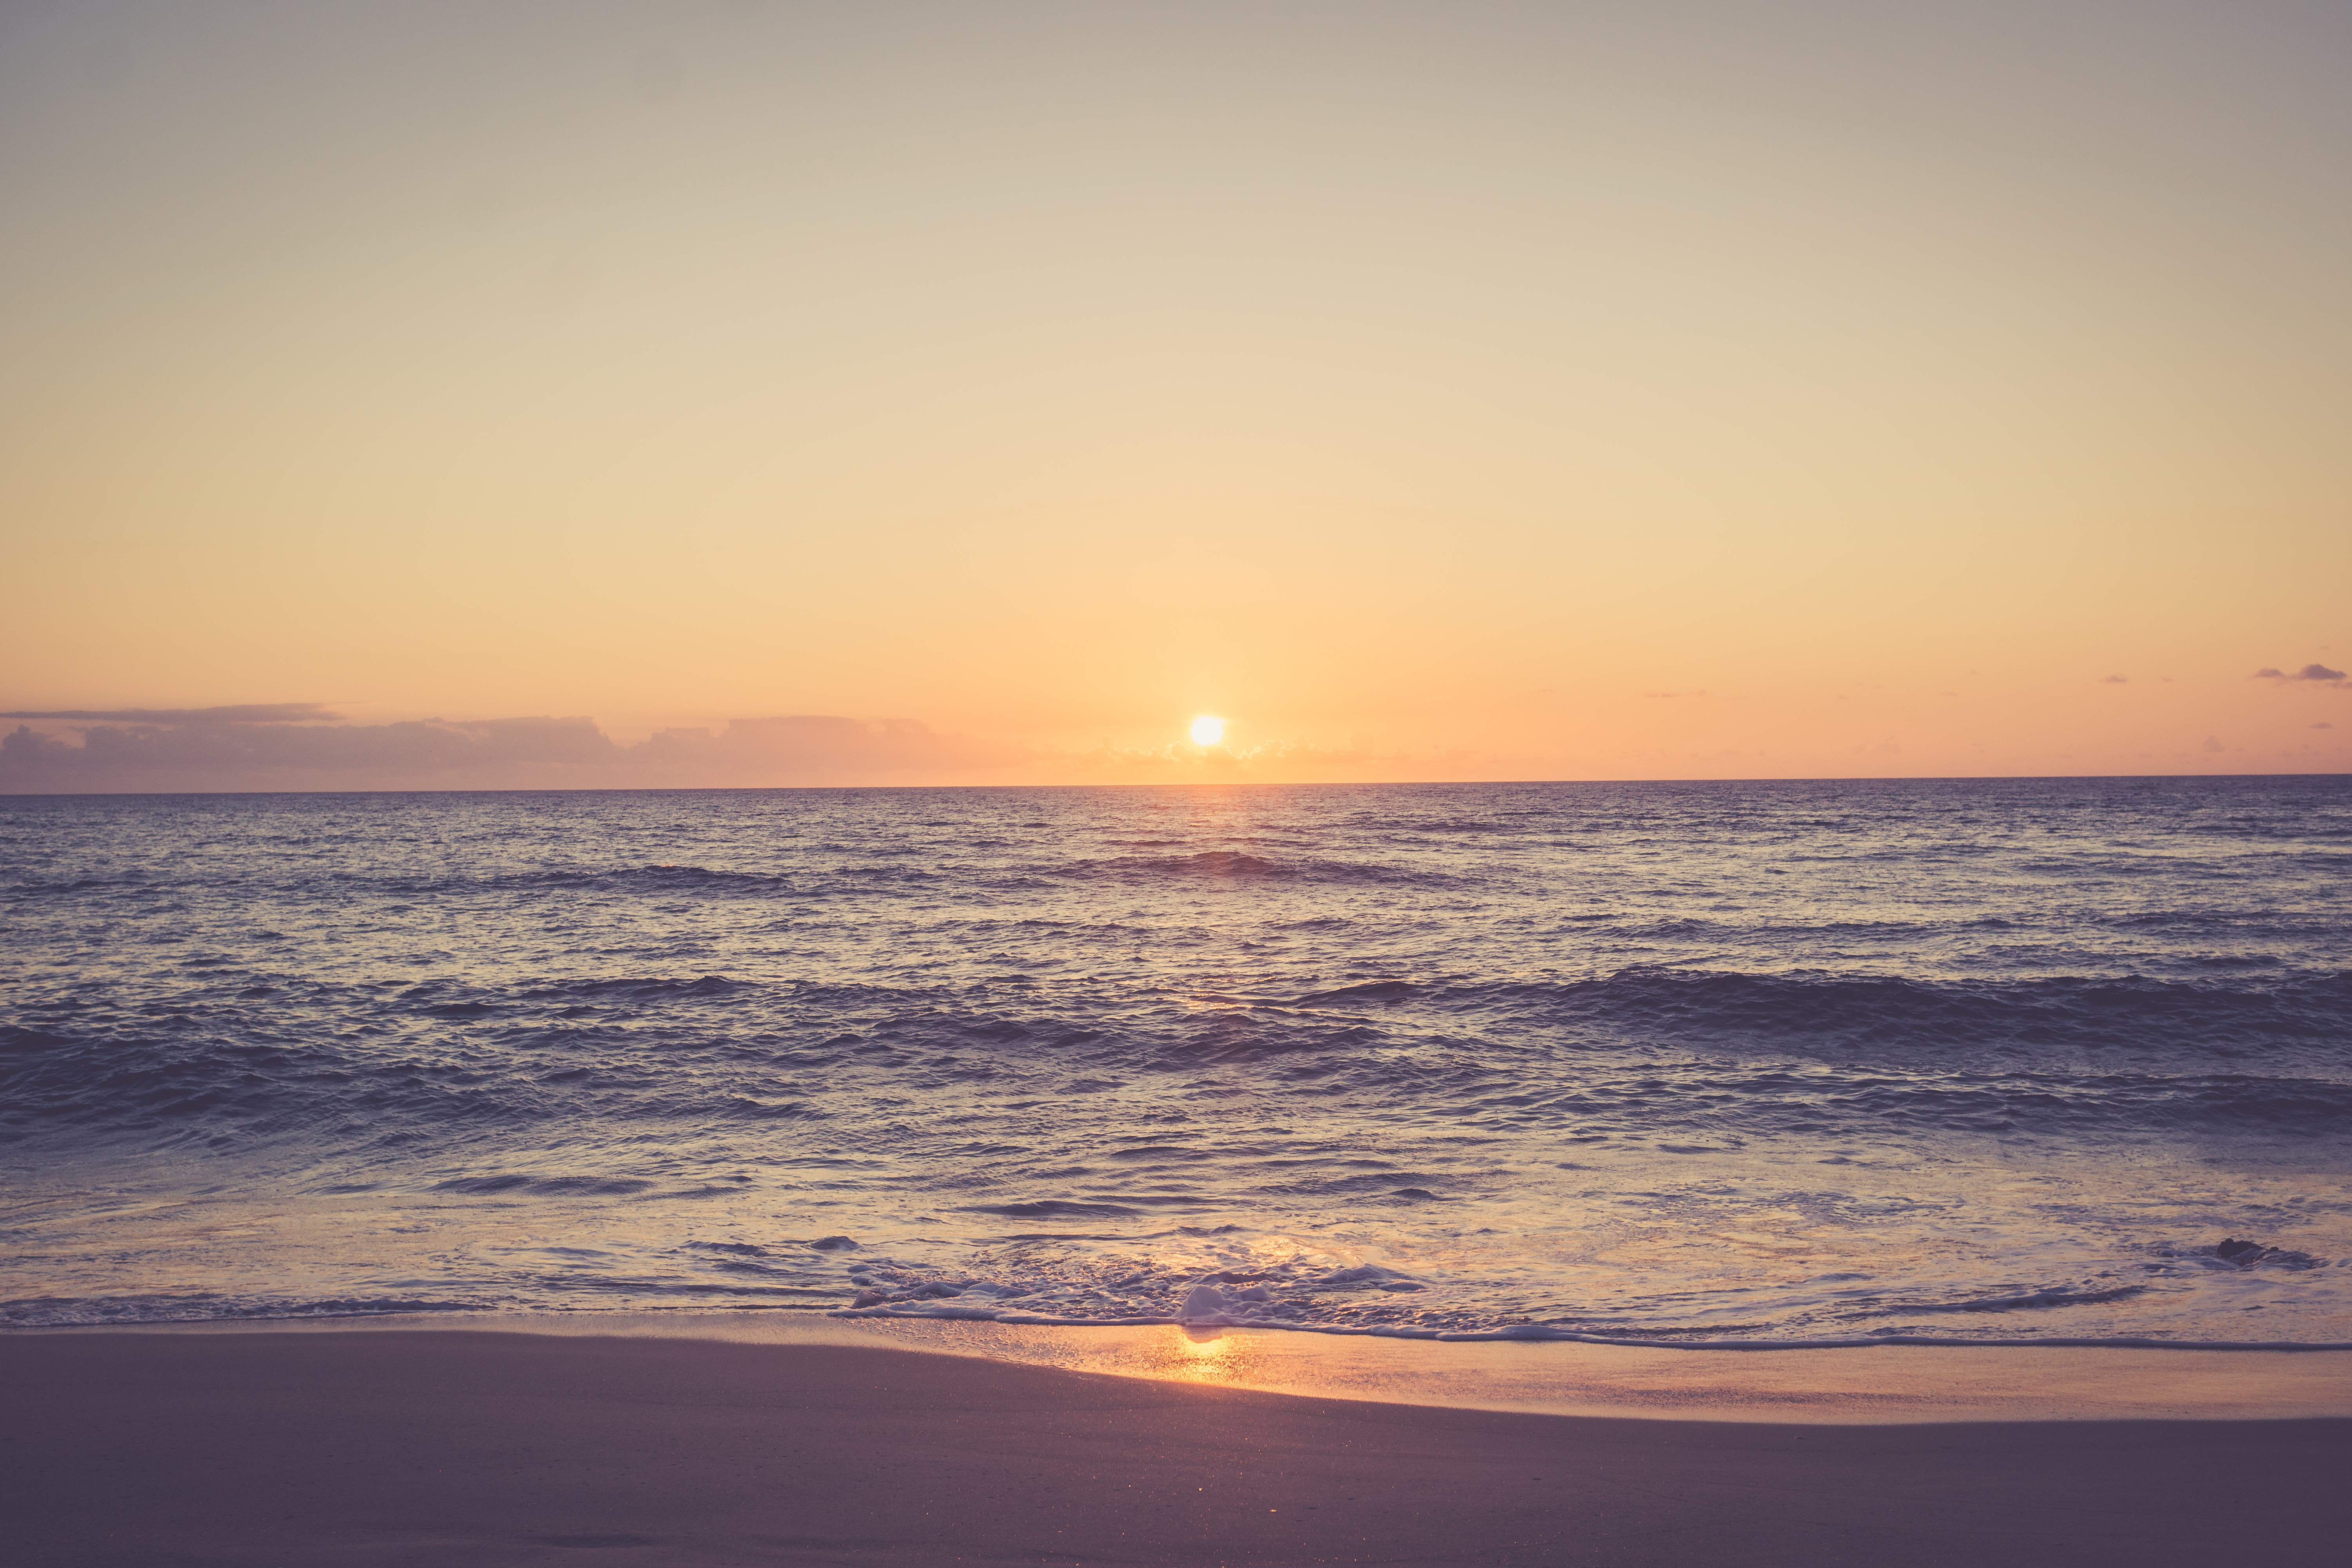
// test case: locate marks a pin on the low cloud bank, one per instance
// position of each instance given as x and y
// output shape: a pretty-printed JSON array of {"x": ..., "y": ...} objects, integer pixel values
[
  {"x": 241, "y": 713},
  {"x": 270, "y": 747},
  {"x": 287, "y": 746}
]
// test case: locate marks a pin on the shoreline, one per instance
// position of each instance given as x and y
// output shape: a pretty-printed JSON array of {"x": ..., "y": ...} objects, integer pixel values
[
  {"x": 1875, "y": 1383},
  {"x": 460, "y": 1445}
]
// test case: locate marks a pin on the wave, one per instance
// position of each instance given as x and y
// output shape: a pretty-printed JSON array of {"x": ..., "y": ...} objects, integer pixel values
[
  {"x": 133, "y": 881},
  {"x": 641, "y": 990},
  {"x": 2204, "y": 1017},
  {"x": 950, "y": 1305},
  {"x": 2032, "y": 1300},
  {"x": 361, "y": 1064},
  {"x": 1543, "y": 1332},
  {"x": 861, "y": 872},
  {"x": 547, "y": 1186},
  {"x": 70, "y": 1312},
  {"x": 1364, "y": 990},
  {"x": 1234, "y": 866}
]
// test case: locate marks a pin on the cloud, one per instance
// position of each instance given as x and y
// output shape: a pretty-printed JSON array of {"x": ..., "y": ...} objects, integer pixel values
[
  {"x": 206, "y": 754},
  {"x": 2308, "y": 672},
  {"x": 2115, "y": 681},
  {"x": 244, "y": 713}
]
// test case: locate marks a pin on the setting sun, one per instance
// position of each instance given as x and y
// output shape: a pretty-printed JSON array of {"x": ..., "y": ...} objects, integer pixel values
[{"x": 1208, "y": 731}]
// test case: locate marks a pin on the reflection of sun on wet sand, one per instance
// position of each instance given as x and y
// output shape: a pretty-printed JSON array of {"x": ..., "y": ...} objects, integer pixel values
[
  {"x": 460, "y": 1447},
  {"x": 1892, "y": 1383},
  {"x": 1205, "y": 1355}
]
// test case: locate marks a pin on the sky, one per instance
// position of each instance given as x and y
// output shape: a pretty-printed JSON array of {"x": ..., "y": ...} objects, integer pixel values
[{"x": 510, "y": 395}]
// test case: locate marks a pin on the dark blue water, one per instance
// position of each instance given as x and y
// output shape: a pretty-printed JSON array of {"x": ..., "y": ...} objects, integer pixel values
[{"x": 1976, "y": 1059}]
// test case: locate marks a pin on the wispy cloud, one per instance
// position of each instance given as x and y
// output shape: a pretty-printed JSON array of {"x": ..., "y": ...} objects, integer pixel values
[{"x": 2308, "y": 672}]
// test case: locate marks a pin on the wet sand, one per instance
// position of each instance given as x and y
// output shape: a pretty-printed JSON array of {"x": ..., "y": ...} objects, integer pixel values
[{"x": 463, "y": 1447}]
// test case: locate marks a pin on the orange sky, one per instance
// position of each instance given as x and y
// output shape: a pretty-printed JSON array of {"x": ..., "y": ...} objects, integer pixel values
[{"x": 1475, "y": 391}]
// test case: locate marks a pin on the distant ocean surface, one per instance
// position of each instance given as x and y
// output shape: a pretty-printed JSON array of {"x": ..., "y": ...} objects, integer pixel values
[{"x": 1673, "y": 1062}]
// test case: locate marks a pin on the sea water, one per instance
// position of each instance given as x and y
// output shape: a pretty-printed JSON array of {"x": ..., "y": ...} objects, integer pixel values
[{"x": 1680, "y": 1063}]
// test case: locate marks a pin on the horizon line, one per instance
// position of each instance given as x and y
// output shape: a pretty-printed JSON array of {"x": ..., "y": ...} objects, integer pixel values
[{"x": 1164, "y": 785}]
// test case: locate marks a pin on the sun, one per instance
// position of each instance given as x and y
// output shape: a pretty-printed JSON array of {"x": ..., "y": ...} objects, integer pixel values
[{"x": 1208, "y": 731}]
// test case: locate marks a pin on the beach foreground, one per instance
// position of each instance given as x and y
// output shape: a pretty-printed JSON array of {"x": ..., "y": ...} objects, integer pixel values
[{"x": 469, "y": 1447}]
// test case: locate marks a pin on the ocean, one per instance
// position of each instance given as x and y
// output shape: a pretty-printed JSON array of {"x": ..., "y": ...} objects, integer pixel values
[{"x": 1709, "y": 1063}]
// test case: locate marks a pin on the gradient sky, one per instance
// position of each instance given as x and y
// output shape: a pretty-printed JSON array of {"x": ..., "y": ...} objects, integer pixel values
[{"x": 982, "y": 390}]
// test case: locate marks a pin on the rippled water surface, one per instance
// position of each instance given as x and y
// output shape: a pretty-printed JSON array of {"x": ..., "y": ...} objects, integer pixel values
[{"x": 1987, "y": 1060}]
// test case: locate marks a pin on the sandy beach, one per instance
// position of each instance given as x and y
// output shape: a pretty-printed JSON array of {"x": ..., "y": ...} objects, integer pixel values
[{"x": 408, "y": 1447}]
